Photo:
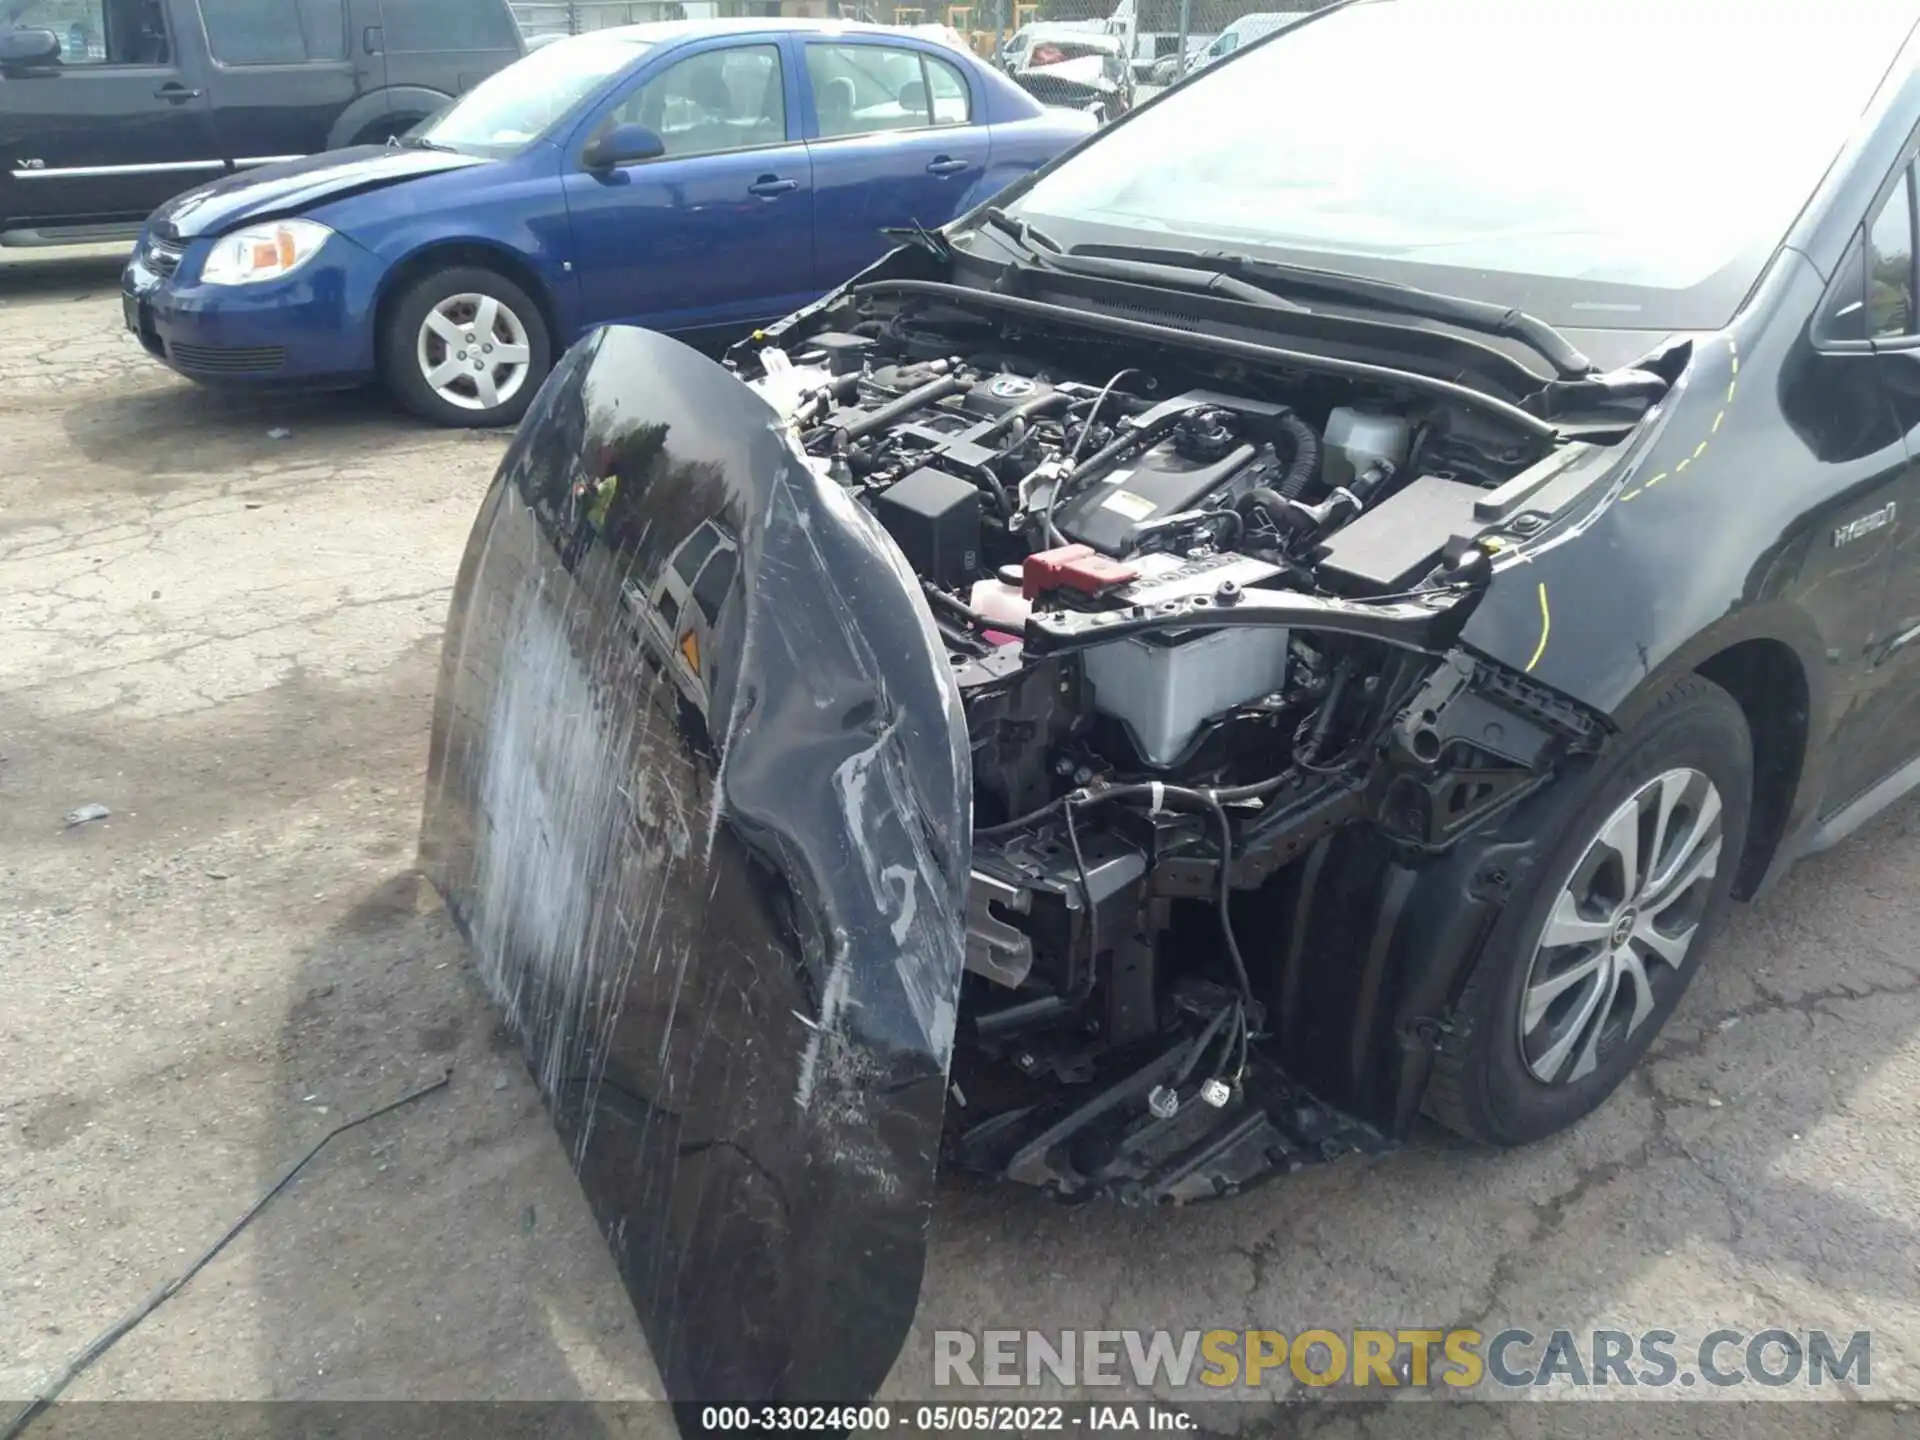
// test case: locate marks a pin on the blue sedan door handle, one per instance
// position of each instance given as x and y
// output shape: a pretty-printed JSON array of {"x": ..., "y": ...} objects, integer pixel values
[
  {"x": 176, "y": 93},
  {"x": 946, "y": 165},
  {"x": 768, "y": 186}
]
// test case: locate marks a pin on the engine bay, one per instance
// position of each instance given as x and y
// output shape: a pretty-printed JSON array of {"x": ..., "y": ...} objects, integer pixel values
[{"x": 1203, "y": 620}]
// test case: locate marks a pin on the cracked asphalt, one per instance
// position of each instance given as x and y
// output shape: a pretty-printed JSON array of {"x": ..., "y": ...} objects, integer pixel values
[{"x": 219, "y": 618}]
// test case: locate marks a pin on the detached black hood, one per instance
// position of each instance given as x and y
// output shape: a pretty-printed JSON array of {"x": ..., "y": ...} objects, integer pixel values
[
  {"x": 289, "y": 188},
  {"x": 699, "y": 794}
]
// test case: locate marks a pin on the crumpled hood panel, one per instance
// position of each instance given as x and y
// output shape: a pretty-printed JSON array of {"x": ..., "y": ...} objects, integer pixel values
[
  {"x": 287, "y": 189},
  {"x": 698, "y": 796}
]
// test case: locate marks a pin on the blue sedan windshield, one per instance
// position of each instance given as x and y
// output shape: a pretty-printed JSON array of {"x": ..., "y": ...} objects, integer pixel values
[
  {"x": 1628, "y": 163},
  {"x": 516, "y": 106}
]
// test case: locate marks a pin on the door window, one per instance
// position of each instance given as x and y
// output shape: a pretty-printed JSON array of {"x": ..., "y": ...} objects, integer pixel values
[
  {"x": 427, "y": 26},
  {"x": 99, "y": 32},
  {"x": 719, "y": 100},
  {"x": 275, "y": 32},
  {"x": 710, "y": 590},
  {"x": 866, "y": 89},
  {"x": 1890, "y": 265}
]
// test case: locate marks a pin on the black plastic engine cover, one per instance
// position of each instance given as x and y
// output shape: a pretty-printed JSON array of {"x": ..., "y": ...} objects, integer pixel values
[{"x": 1159, "y": 481}]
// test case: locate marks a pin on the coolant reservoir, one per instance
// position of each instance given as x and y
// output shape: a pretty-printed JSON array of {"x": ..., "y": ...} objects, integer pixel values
[
  {"x": 1357, "y": 438},
  {"x": 1003, "y": 601}
]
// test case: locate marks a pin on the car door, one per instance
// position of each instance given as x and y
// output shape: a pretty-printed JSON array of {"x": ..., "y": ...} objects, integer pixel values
[
  {"x": 1860, "y": 388},
  {"x": 719, "y": 228},
  {"x": 280, "y": 73},
  {"x": 1879, "y": 282},
  {"x": 893, "y": 134},
  {"x": 93, "y": 144}
]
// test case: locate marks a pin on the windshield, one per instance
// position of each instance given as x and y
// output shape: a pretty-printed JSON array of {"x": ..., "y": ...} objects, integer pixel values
[
  {"x": 516, "y": 106},
  {"x": 1578, "y": 161}
]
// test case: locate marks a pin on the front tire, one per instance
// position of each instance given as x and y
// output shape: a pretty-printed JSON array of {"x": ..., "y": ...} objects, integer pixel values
[
  {"x": 465, "y": 346},
  {"x": 1595, "y": 951}
]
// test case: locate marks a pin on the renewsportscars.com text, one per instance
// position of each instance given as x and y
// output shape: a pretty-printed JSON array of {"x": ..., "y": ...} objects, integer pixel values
[{"x": 1509, "y": 1359}]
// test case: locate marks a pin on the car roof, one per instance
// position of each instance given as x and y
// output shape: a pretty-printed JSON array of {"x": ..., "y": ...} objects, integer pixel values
[{"x": 665, "y": 32}]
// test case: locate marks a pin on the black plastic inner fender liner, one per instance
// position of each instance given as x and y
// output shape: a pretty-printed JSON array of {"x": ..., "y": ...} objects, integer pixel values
[{"x": 698, "y": 797}]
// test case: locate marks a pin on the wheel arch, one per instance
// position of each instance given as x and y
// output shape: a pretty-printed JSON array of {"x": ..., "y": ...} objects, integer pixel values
[
  {"x": 417, "y": 101},
  {"x": 1769, "y": 683},
  {"x": 467, "y": 250}
]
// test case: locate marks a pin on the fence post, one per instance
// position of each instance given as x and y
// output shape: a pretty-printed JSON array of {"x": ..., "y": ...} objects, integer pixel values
[{"x": 1186, "y": 23}]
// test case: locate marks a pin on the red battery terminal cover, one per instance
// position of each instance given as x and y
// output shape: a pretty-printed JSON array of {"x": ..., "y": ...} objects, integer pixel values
[{"x": 1073, "y": 567}]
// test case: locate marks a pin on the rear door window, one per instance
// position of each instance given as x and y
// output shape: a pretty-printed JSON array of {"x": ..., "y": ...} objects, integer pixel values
[
  {"x": 424, "y": 26},
  {"x": 275, "y": 32},
  {"x": 868, "y": 89}
]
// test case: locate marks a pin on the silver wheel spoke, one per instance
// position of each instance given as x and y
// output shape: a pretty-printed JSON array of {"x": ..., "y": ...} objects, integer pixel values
[
  {"x": 1673, "y": 785},
  {"x": 445, "y": 329},
  {"x": 484, "y": 386},
  {"x": 1672, "y": 949},
  {"x": 446, "y": 372},
  {"x": 1550, "y": 1063},
  {"x": 485, "y": 315},
  {"x": 1703, "y": 864},
  {"x": 1701, "y": 835},
  {"x": 510, "y": 354},
  {"x": 1622, "y": 837},
  {"x": 1634, "y": 974},
  {"x": 1542, "y": 993},
  {"x": 1593, "y": 1022},
  {"x": 1567, "y": 926}
]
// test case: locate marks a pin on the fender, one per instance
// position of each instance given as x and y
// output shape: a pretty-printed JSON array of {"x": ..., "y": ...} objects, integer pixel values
[
  {"x": 1690, "y": 551},
  {"x": 414, "y": 101}
]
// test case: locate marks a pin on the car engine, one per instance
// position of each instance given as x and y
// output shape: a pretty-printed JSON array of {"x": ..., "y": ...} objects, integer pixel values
[{"x": 1065, "y": 511}]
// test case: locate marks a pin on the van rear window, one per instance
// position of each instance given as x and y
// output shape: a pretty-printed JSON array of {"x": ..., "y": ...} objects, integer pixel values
[{"x": 420, "y": 25}]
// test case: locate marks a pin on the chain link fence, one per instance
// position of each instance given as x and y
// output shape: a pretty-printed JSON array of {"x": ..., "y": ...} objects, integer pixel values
[{"x": 1159, "y": 40}]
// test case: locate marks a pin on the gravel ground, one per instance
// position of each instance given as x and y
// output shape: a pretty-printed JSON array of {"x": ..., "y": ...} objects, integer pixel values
[{"x": 219, "y": 618}]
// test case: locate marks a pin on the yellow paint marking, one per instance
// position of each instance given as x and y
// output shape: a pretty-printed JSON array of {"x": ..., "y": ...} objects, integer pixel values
[
  {"x": 1630, "y": 495},
  {"x": 1697, "y": 449},
  {"x": 1683, "y": 465},
  {"x": 1654, "y": 481},
  {"x": 1716, "y": 421},
  {"x": 1732, "y": 385},
  {"x": 1546, "y": 629}
]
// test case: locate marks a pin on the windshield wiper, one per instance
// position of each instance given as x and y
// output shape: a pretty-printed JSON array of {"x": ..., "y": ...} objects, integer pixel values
[
  {"x": 931, "y": 241},
  {"x": 1024, "y": 235},
  {"x": 1479, "y": 315},
  {"x": 420, "y": 142},
  {"x": 1043, "y": 253}
]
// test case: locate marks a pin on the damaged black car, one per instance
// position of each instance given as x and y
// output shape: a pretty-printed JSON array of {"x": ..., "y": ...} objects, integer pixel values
[{"x": 1302, "y": 614}]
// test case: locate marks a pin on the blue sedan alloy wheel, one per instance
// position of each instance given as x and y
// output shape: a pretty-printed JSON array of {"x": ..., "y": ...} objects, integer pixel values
[
  {"x": 472, "y": 350},
  {"x": 466, "y": 346}
]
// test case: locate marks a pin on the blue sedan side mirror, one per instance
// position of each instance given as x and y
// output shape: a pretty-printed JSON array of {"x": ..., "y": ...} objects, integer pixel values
[
  {"x": 29, "y": 49},
  {"x": 622, "y": 145}
]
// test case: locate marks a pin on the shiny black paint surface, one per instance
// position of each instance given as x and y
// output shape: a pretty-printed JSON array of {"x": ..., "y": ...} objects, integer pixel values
[
  {"x": 1719, "y": 531},
  {"x": 721, "y": 904}
]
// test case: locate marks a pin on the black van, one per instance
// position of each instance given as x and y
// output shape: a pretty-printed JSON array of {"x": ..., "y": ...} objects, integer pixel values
[{"x": 110, "y": 107}]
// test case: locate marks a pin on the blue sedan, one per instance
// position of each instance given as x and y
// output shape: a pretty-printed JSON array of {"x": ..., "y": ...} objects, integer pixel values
[{"x": 692, "y": 177}]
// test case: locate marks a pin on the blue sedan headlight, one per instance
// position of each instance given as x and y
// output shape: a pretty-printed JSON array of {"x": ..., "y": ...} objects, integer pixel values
[{"x": 263, "y": 252}]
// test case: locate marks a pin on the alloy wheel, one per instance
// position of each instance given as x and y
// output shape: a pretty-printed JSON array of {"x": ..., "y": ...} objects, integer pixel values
[
  {"x": 473, "y": 351},
  {"x": 1621, "y": 927}
]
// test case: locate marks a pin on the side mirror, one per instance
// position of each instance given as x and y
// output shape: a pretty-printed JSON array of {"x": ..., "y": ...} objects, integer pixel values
[
  {"x": 622, "y": 145},
  {"x": 29, "y": 49}
]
